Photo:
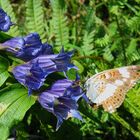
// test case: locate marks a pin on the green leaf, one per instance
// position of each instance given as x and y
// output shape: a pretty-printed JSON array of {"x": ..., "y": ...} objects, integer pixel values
[
  {"x": 103, "y": 41},
  {"x": 14, "y": 102},
  {"x": 104, "y": 117},
  {"x": 3, "y": 77},
  {"x": 71, "y": 74},
  {"x": 132, "y": 46},
  {"x": 88, "y": 46},
  {"x": 132, "y": 103},
  {"x": 4, "y": 64},
  {"x": 59, "y": 22},
  {"x": 35, "y": 18},
  {"x": 79, "y": 65},
  {"x": 4, "y": 37},
  {"x": 107, "y": 55}
]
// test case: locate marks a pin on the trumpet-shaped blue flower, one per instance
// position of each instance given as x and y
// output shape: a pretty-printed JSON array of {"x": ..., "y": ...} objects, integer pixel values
[
  {"x": 28, "y": 47},
  {"x": 61, "y": 100},
  {"x": 62, "y": 61},
  {"x": 5, "y": 21},
  {"x": 31, "y": 76}
]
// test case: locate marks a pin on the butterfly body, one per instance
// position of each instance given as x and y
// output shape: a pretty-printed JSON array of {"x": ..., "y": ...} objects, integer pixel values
[{"x": 108, "y": 88}]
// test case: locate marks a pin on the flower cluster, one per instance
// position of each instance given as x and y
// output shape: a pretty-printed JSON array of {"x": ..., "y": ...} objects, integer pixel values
[
  {"x": 33, "y": 73},
  {"x": 40, "y": 61}
]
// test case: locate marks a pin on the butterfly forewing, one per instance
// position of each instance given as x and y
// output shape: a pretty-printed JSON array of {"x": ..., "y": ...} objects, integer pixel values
[{"x": 109, "y": 87}]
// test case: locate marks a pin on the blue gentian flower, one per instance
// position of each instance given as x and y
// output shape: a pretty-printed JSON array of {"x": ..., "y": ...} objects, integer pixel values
[
  {"x": 5, "y": 21},
  {"x": 28, "y": 47},
  {"x": 62, "y": 61},
  {"x": 33, "y": 74},
  {"x": 29, "y": 75},
  {"x": 32, "y": 47},
  {"x": 61, "y": 100}
]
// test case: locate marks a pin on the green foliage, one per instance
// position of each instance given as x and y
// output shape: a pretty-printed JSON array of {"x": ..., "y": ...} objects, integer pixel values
[
  {"x": 87, "y": 46},
  {"x": 3, "y": 70},
  {"x": 14, "y": 102},
  {"x": 4, "y": 64},
  {"x": 3, "y": 76},
  {"x": 35, "y": 18},
  {"x": 59, "y": 23},
  {"x": 134, "y": 23},
  {"x": 131, "y": 52},
  {"x": 108, "y": 55},
  {"x": 132, "y": 103},
  {"x": 105, "y": 34}
]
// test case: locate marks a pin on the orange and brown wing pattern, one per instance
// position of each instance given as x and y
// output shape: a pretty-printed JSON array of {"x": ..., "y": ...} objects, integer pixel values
[{"x": 109, "y": 87}]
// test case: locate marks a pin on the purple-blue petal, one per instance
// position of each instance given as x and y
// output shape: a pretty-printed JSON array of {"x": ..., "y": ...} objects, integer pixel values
[
  {"x": 75, "y": 114},
  {"x": 75, "y": 92},
  {"x": 29, "y": 75},
  {"x": 86, "y": 98},
  {"x": 47, "y": 49},
  {"x": 14, "y": 45},
  {"x": 61, "y": 111},
  {"x": 32, "y": 47},
  {"x": 62, "y": 62},
  {"x": 68, "y": 102},
  {"x": 61, "y": 84},
  {"x": 20, "y": 72},
  {"x": 5, "y": 21},
  {"x": 37, "y": 71},
  {"x": 59, "y": 122},
  {"x": 46, "y": 64}
]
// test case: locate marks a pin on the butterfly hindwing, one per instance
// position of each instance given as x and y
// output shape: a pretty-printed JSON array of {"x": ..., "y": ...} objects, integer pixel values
[{"x": 109, "y": 87}]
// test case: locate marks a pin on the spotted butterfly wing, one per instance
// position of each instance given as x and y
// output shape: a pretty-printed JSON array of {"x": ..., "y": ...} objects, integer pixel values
[{"x": 108, "y": 88}]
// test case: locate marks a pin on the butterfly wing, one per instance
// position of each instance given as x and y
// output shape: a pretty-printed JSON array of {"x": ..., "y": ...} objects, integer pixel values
[{"x": 109, "y": 87}]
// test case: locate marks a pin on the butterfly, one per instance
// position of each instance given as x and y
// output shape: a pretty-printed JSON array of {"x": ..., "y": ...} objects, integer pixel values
[{"x": 108, "y": 88}]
